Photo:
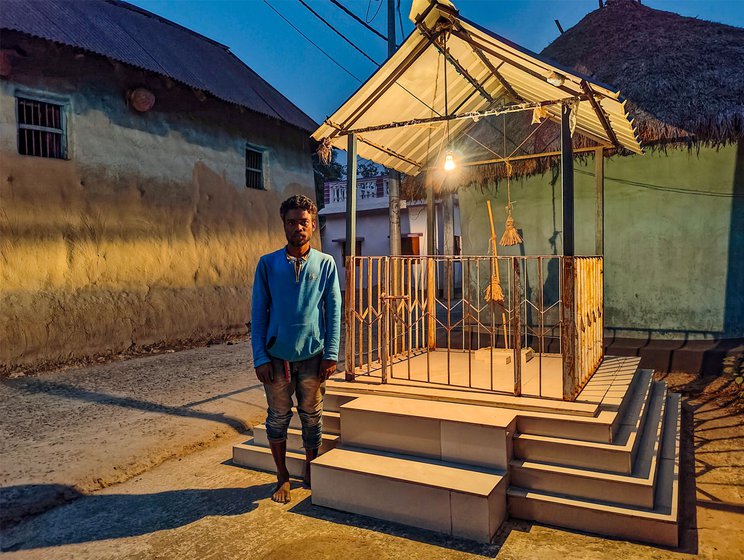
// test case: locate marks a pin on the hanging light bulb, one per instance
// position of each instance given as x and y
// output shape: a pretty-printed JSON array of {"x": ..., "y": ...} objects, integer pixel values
[{"x": 449, "y": 162}]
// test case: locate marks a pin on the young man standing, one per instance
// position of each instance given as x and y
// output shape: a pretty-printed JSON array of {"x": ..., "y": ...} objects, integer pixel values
[{"x": 295, "y": 331}]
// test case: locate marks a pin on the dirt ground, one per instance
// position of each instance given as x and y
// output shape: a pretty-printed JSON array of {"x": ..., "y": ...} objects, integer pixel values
[{"x": 96, "y": 434}]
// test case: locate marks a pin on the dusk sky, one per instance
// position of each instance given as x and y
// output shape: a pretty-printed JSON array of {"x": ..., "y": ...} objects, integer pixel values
[{"x": 267, "y": 43}]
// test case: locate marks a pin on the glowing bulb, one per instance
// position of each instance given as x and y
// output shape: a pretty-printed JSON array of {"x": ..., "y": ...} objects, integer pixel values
[{"x": 449, "y": 162}]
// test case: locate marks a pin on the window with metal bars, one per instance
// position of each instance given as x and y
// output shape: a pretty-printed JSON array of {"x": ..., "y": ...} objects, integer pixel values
[
  {"x": 41, "y": 128},
  {"x": 254, "y": 169}
]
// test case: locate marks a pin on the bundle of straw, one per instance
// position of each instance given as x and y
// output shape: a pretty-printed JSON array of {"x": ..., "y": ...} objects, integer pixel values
[{"x": 511, "y": 235}]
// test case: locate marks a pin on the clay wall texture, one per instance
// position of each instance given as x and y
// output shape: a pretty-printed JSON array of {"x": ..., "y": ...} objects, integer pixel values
[
  {"x": 146, "y": 233},
  {"x": 674, "y": 237}
]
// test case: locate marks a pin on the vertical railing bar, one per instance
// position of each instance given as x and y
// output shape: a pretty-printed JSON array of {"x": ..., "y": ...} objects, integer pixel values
[
  {"x": 466, "y": 282},
  {"x": 492, "y": 307},
  {"x": 360, "y": 305},
  {"x": 541, "y": 337},
  {"x": 349, "y": 319},
  {"x": 516, "y": 303},
  {"x": 448, "y": 282},
  {"x": 378, "y": 309},
  {"x": 370, "y": 264},
  {"x": 408, "y": 305}
]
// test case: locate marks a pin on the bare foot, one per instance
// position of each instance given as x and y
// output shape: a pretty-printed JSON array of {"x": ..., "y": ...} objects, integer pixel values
[{"x": 281, "y": 493}]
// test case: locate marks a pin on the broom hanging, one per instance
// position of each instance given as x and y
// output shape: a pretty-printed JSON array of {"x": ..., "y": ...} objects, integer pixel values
[
  {"x": 494, "y": 293},
  {"x": 511, "y": 235}
]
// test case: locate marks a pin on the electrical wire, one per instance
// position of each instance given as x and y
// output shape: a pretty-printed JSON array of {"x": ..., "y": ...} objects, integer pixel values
[
  {"x": 369, "y": 5},
  {"x": 676, "y": 190},
  {"x": 337, "y": 32},
  {"x": 308, "y": 39},
  {"x": 360, "y": 20}
]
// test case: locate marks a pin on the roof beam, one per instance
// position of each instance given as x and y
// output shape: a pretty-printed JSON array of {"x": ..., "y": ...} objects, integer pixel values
[
  {"x": 527, "y": 156},
  {"x": 515, "y": 108},
  {"x": 488, "y": 64},
  {"x": 475, "y": 44},
  {"x": 456, "y": 63},
  {"x": 383, "y": 87},
  {"x": 389, "y": 152},
  {"x": 601, "y": 115}
]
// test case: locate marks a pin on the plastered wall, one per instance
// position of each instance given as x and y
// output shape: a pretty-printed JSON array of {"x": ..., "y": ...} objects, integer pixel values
[
  {"x": 674, "y": 237},
  {"x": 147, "y": 232}
]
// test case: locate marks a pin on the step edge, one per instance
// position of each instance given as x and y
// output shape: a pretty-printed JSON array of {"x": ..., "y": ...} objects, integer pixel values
[
  {"x": 592, "y": 505},
  {"x": 501, "y": 476}
]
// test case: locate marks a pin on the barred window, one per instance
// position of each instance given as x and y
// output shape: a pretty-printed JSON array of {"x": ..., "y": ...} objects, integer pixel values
[
  {"x": 254, "y": 169},
  {"x": 41, "y": 129}
]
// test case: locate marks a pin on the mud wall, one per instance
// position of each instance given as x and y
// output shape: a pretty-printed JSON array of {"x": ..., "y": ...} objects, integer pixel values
[
  {"x": 146, "y": 233},
  {"x": 674, "y": 237}
]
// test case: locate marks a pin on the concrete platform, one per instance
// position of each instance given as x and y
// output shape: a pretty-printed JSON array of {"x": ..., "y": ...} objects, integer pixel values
[{"x": 607, "y": 463}]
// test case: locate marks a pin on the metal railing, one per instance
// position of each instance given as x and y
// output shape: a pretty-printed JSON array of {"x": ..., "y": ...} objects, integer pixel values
[{"x": 427, "y": 320}]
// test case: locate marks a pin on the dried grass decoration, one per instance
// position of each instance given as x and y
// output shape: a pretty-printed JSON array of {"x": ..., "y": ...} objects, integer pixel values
[
  {"x": 511, "y": 235},
  {"x": 325, "y": 151},
  {"x": 494, "y": 293}
]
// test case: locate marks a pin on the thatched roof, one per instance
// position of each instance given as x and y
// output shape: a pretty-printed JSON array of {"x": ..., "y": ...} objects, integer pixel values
[{"x": 683, "y": 77}]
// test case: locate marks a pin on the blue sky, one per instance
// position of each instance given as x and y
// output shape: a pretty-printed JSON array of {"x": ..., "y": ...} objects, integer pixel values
[{"x": 259, "y": 37}]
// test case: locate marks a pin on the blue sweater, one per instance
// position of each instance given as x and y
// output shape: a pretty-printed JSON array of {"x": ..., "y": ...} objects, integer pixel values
[{"x": 295, "y": 318}]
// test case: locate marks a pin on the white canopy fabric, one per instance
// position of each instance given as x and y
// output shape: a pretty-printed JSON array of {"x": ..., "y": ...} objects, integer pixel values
[{"x": 484, "y": 73}]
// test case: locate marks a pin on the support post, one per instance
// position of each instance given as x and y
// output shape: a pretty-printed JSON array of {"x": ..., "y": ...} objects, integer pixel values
[
  {"x": 568, "y": 309},
  {"x": 431, "y": 230},
  {"x": 431, "y": 303},
  {"x": 567, "y": 182},
  {"x": 351, "y": 197},
  {"x": 350, "y": 243},
  {"x": 599, "y": 202},
  {"x": 449, "y": 235}
]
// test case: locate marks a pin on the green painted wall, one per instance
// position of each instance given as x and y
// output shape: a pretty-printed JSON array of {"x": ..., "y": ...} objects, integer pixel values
[{"x": 673, "y": 237}]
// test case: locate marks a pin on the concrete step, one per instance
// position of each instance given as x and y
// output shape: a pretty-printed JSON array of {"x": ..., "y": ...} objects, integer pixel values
[
  {"x": 610, "y": 457},
  {"x": 435, "y": 495},
  {"x": 657, "y": 525},
  {"x": 636, "y": 489},
  {"x": 372, "y": 386},
  {"x": 256, "y": 457},
  {"x": 331, "y": 422},
  {"x": 601, "y": 428},
  {"x": 461, "y": 433},
  {"x": 294, "y": 439},
  {"x": 333, "y": 399}
]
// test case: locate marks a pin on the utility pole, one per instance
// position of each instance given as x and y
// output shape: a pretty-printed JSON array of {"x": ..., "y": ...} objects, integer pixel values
[{"x": 393, "y": 175}]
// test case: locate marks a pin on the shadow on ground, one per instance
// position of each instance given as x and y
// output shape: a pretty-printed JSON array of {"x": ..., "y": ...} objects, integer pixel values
[
  {"x": 113, "y": 516},
  {"x": 306, "y": 508},
  {"x": 65, "y": 391}
]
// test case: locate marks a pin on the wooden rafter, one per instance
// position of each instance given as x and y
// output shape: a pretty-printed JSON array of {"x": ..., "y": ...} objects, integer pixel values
[
  {"x": 456, "y": 63},
  {"x": 601, "y": 115},
  {"x": 514, "y": 108},
  {"x": 383, "y": 87},
  {"x": 488, "y": 64}
]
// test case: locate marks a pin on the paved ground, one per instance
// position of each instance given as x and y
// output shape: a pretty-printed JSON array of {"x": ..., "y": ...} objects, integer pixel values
[
  {"x": 66, "y": 434},
  {"x": 80, "y": 430}
]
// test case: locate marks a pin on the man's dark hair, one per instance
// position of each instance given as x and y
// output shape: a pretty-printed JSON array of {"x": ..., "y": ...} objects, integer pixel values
[{"x": 298, "y": 201}]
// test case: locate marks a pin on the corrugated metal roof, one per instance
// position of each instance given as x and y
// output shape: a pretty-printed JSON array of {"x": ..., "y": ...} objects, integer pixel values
[
  {"x": 134, "y": 36},
  {"x": 410, "y": 86}
]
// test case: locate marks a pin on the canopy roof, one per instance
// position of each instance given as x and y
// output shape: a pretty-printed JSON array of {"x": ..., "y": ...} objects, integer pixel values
[{"x": 401, "y": 115}]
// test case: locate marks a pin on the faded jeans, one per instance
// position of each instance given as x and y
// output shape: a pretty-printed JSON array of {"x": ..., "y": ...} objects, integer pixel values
[{"x": 309, "y": 389}]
